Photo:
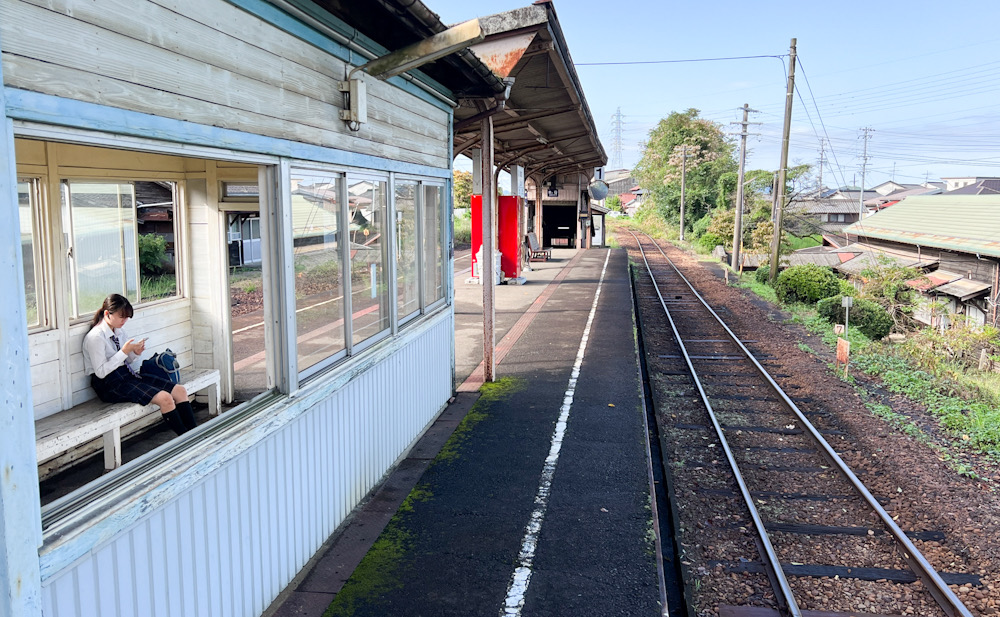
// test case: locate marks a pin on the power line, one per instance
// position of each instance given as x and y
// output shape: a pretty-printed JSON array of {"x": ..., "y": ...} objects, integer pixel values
[{"x": 673, "y": 61}]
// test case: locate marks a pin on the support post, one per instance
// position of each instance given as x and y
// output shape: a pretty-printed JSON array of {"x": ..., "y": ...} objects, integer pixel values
[
  {"x": 20, "y": 521},
  {"x": 779, "y": 202},
  {"x": 538, "y": 210},
  {"x": 487, "y": 266},
  {"x": 684, "y": 161},
  {"x": 738, "y": 223}
]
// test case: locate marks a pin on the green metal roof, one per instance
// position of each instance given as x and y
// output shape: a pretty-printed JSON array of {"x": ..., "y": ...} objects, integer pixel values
[{"x": 961, "y": 223}]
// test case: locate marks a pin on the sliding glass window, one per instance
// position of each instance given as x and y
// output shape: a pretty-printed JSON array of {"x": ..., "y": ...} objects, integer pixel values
[
  {"x": 433, "y": 243},
  {"x": 123, "y": 241},
  {"x": 319, "y": 282},
  {"x": 26, "y": 191},
  {"x": 370, "y": 289},
  {"x": 407, "y": 266}
]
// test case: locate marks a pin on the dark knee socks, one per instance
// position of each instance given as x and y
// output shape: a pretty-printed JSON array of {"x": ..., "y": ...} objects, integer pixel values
[
  {"x": 187, "y": 415},
  {"x": 173, "y": 420}
]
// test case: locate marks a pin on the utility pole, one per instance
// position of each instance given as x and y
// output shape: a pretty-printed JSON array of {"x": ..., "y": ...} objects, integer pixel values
[
  {"x": 822, "y": 160},
  {"x": 684, "y": 161},
  {"x": 738, "y": 224},
  {"x": 783, "y": 170},
  {"x": 864, "y": 164}
]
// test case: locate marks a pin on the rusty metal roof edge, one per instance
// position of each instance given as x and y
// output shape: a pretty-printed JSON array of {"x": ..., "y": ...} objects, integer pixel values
[
  {"x": 432, "y": 21},
  {"x": 990, "y": 248}
]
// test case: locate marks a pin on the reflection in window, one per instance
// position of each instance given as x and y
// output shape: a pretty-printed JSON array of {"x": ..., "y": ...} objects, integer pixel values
[
  {"x": 319, "y": 288},
  {"x": 433, "y": 244},
  {"x": 366, "y": 227},
  {"x": 407, "y": 281},
  {"x": 123, "y": 241},
  {"x": 25, "y": 208}
]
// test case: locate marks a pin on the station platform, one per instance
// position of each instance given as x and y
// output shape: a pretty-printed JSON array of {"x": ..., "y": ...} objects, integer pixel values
[{"x": 529, "y": 495}]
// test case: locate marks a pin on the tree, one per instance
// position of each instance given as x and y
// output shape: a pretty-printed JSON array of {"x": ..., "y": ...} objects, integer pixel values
[
  {"x": 614, "y": 203},
  {"x": 462, "y": 188},
  {"x": 709, "y": 157},
  {"x": 888, "y": 283}
]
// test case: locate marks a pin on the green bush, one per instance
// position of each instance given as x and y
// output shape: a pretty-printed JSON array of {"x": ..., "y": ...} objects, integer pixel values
[
  {"x": 763, "y": 275},
  {"x": 868, "y": 317},
  {"x": 806, "y": 283},
  {"x": 709, "y": 241},
  {"x": 152, "y": 253}
]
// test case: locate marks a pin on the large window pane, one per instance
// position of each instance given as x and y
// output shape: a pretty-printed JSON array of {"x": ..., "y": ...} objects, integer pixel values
[
  {"x": 407, "y": 281},
  {"x": 319, "y": 287},
  {"x": 104, "y": 242},
  {"x": 433, "y": 244},
  {"x": 366, "y": 231},
  {"x": 124, "y": 241},
  {"x": 156, "y": 215},
  {"x": 25, "y": 209}
]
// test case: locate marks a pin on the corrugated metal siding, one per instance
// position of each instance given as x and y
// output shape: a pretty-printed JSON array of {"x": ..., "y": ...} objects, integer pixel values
[{"x": 230, "y": 544}]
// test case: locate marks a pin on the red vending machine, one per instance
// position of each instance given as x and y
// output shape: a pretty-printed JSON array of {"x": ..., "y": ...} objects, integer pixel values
[{"x": 509, "y": 233}]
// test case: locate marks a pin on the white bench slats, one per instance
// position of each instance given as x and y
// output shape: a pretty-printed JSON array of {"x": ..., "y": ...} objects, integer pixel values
[{"x": 68, "y": 429}]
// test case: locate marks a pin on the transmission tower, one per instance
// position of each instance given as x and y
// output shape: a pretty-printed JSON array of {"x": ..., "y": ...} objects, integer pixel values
[{"x": 617, "y": 122}]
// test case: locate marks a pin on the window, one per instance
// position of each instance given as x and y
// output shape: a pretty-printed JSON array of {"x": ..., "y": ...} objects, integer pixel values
[
  {"x": 122, "y": 241},
  {"x": 319, "y": 286},
  {"x": 433, "y": 244},
  {"x": 26, "y": 207},
  {"x": 407, "y": 273},
  {"x": 367, "y": 202}
]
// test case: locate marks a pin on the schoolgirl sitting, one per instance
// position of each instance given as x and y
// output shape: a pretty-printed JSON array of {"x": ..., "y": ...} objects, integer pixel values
[{"x": 109, "y": 363}]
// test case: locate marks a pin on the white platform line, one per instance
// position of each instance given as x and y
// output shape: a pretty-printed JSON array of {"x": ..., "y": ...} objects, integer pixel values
[{"x": 522, "y": 574}]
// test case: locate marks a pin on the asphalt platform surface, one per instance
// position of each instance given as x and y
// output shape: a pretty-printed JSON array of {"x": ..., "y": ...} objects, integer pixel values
[{"x": 446, "y": 530}]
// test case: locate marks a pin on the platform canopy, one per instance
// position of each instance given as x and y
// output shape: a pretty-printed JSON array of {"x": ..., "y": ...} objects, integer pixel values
[
  {"x": 544, "y": 124},
  {"x": 521, "y": 74}
]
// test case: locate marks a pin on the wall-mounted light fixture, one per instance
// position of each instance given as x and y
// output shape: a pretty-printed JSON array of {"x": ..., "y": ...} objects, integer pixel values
[{"x": 408, "y": 58}]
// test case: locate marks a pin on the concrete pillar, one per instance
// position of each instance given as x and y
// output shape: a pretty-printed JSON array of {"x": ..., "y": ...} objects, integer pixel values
[
  {"x": 20, "y": 517},
  {"x": 517, "y": 181},
  {"x": 539, "y": 192},
  {"x": 477, "y": 170}
]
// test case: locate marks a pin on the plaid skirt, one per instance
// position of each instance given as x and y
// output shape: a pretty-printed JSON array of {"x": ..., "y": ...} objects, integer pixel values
[{"x": 121, "y": 386}]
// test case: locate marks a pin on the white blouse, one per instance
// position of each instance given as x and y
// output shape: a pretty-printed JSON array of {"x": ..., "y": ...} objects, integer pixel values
[{"x": 100, "y": 356}]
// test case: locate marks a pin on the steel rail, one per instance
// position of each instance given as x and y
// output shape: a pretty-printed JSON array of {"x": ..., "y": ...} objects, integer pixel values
[
  {"x": 770, "y": 556},
  {"x": 946, "y": 598}
]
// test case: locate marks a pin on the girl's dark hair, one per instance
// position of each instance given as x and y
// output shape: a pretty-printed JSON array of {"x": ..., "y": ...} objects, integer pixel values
[{"x": 114, "y": 303}]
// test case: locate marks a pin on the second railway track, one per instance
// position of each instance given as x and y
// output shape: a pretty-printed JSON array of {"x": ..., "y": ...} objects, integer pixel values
[{"x": 769, "y": 516}]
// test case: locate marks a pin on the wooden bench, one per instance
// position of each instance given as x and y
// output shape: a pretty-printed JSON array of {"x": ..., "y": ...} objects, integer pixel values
[
  {"x": 73, "y": 427},
  {"x": 535, "y": 250}
]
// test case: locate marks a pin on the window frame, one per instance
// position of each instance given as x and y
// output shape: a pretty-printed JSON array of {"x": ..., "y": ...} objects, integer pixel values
[
  {"x": 388, "y": 267},
  {"x": 320, "y": 367},
  {"x": 118, "y": 176},
  {"x": 39, "y": 249},
  {"x": 444, "y": 228}
]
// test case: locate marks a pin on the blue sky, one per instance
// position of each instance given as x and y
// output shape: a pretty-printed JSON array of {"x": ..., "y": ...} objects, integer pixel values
[{"x": 924, "y": 76}]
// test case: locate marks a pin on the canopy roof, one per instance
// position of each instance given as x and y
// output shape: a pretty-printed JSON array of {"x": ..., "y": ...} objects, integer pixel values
[{"x": 545, "y": 124}]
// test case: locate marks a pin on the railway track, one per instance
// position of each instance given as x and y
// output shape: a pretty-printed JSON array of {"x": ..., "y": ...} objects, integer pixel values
[{"x": 770, "y": 518}]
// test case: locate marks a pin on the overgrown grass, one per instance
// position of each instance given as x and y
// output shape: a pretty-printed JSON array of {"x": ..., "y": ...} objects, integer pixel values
[
  {"x": 156, "y": 287},
  {"x": 973, "y": 422},
  {"x": 747, "y": 281},
  {"x": 463, "y": 230},
  {"x": 965, "y": 402}
]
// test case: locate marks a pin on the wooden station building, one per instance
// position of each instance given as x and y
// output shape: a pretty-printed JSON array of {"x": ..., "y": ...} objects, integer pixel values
[{"x": 143, "y": 141}]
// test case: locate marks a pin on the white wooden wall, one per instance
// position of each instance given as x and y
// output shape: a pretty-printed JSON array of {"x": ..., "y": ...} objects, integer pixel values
[
  {"x": 235, "y": 538},
  {"x": 210, "y": 63}
]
